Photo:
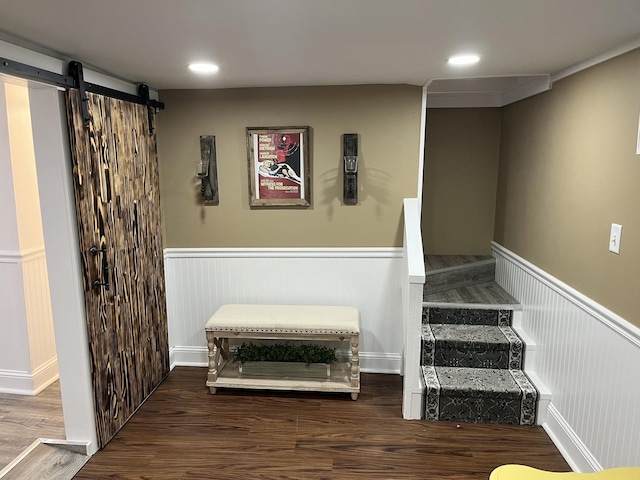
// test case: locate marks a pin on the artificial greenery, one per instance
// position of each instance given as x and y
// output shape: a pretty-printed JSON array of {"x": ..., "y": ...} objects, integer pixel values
[{"x": 285, "y": 352}]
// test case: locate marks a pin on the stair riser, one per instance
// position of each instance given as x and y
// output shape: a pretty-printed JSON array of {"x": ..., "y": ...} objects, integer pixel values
[
  {"x": 467, "y": 316},
  {"x": 472, "y": 354},
  {"x": 459, "y": 277},
  {"x": 470, "y": 357},
  {"x": 479, "y": 410}
]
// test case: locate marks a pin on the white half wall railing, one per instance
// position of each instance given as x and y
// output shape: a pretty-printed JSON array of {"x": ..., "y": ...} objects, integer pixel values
[
  {"x": 412, "y": 280},
  {"x": 588, "y": 357},
  {"x": 200, "y": 280}
]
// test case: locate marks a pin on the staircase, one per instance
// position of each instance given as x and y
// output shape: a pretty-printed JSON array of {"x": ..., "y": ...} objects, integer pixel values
[{"x": 471, "y": 357}]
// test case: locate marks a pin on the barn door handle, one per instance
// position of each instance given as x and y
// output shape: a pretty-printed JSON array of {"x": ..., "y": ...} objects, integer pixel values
[{"x": 105, "y": 267}]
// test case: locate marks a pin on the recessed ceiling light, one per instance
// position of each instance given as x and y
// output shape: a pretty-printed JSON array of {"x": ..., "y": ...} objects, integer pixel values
[
  {"x": 463, "y": 59},
  {"x": 203, "y": 67}
]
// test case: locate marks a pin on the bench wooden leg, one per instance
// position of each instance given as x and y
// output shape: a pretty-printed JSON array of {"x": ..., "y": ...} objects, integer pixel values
[
  {"x": 214, "y": 346},
  {"x": 355, "y": 365}
]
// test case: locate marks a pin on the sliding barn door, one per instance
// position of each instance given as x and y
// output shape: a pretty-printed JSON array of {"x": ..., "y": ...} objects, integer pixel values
[{"x": 115, "y": 171}]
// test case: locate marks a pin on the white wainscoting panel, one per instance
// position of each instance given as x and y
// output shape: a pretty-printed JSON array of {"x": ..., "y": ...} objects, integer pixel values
[
  {"x": 27, "y": 345},
  {"x": 42, "y": 343},
  {"x": 14, "y": 339},
  {"x": 588, "y": 357},
  {"x": 199, "y": 281}
]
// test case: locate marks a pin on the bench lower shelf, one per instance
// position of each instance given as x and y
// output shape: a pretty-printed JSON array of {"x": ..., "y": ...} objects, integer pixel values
[{"x": 339, "y": 381}]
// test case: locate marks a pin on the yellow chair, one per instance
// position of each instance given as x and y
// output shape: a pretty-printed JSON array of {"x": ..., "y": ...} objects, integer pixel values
[{"x": 520, "y": 472}]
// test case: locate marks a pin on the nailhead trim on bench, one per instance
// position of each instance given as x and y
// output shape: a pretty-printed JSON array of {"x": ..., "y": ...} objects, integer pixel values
[{"x": 279, "y": 330}]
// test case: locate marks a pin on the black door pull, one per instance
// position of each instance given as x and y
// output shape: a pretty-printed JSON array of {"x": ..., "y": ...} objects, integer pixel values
[{"x": 105, "y": 267}]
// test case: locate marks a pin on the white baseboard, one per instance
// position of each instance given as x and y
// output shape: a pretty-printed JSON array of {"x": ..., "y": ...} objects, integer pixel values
[
  {"x": 188, "y": 357},
  {"x": 370, "y": 362},
  {"x": 574, "y": 451},
  {"x": 45, "y": 375},
  {"x": 16, "y": 382},
  {"x": 26, "y": 383}
]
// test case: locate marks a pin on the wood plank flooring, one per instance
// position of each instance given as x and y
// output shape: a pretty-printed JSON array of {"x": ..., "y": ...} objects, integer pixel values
[
  {"x": 184, "y": 433},
  {"x": 24, "y": 419},
  {"x": 446, "y": 262},
  {"x": 489, "y": 293},
  {"x": 47, "y": 462}
]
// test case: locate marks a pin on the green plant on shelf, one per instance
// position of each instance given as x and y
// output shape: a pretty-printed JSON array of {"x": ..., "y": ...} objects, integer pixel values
[{"x": 285, "y": 352}]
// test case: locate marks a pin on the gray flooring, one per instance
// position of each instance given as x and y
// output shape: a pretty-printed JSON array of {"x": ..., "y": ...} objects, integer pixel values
[
  {"x": 441, "y": 262},
  {"x": 489, "y": 293},
  {"x": 47, "y": 462},
  {"x": 24, "y": 419}
]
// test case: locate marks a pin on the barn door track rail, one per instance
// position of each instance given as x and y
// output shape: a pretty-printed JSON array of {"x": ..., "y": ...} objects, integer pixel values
[{"x": 75, "y": 79}]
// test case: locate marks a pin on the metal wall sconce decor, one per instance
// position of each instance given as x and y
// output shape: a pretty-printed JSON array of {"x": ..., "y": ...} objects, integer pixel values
[
  {"x": 207, "y": 170},
  {"x": 350, "y": 174}
]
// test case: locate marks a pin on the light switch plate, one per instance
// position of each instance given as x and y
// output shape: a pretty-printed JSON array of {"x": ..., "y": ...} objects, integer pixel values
[
  {"x": 614, "y": 238},
  {"x": 638, "y": 144}
]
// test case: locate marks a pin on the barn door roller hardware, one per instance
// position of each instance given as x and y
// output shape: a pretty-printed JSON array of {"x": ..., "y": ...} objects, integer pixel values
[
  {"x": 143, "y": 91},
  {"x": 75, "y": 70},
  {"x": 75, "y": 79}
]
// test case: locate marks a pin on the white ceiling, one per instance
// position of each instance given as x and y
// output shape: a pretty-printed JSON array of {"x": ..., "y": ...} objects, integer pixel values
[{"x": 320, "y": 42}]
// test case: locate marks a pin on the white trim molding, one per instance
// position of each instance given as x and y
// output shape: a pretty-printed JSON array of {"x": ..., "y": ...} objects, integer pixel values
[
  {"x": 493, "y": 96},
  {"x": 587, "y": 356},
  {"x": 29, "y": 383},
  {"x": 366, "y": 252},
  {"x": 21, "y": 256},
  {"x": 593, "y": 61},
  {"x": 200, "y": 280}
]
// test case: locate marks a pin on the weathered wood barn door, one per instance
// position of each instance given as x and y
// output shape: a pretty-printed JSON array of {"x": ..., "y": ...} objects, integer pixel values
[{"x": 116, "y": 186}]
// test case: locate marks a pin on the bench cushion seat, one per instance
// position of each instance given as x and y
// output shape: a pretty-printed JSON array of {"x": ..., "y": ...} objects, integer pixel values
[{"x": 285, "y": 319}]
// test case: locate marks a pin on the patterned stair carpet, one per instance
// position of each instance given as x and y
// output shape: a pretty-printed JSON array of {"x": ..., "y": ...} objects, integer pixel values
[{"x": 471, "y": 357}]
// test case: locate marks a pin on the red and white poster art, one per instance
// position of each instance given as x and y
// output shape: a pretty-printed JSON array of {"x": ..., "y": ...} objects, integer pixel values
[{"x": 278, "y": 166}]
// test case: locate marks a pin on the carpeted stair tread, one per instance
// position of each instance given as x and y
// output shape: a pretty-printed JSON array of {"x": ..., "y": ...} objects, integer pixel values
[
  {"x": 479, "y": 395},
  {"x": 477, "y": 346},
  {"x": 487, "y": 293},
  {"x": 492, "y": 382}
]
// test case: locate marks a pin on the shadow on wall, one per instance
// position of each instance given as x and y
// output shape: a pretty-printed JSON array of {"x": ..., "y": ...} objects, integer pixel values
[{"x": 372, "y": 183}]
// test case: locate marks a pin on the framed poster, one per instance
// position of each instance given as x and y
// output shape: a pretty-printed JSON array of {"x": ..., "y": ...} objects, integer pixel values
[{"x": 279, "y": 166}]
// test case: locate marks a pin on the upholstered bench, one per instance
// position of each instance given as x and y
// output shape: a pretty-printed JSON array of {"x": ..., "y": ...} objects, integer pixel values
[{"x": 288, "y": 322}]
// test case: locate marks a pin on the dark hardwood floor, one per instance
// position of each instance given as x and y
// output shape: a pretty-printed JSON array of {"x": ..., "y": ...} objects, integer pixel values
[{"x": 184, "y": 433}]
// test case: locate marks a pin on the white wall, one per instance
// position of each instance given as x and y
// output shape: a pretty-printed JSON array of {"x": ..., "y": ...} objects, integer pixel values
[
  {"x": 588, "y": 357},
  {"x": 53, "y": 165},
  {"x": 28, "y": 361},
  {"x": 201, "y": 280}
]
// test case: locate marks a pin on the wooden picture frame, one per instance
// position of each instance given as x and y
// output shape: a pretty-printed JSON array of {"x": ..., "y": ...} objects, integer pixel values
[{"x": 279, "y": 166}]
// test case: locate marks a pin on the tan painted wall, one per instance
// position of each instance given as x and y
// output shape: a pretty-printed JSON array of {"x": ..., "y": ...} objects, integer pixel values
[
  {"x": 568, "y": 169},
  {"x": 386, "y": 117},
  {"x": 460, "y": 180}
]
